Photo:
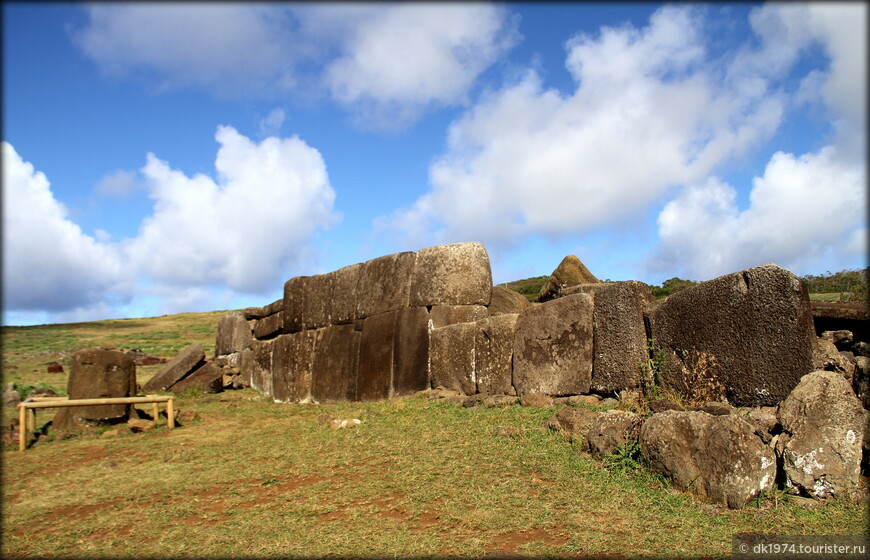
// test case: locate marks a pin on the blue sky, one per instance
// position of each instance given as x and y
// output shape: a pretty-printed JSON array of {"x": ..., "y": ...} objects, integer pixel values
[{"x": 162, "y": 158}]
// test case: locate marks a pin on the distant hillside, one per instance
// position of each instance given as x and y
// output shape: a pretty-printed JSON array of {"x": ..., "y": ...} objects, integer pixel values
[{"x": 529, "y": 287}]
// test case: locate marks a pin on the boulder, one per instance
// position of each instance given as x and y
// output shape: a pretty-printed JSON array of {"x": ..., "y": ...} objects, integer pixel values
[
  {"x": 505, "y": 300},
  {"x": 451, "y": 357},
  {"x": 718, "y": 457},
  {"x": 763, "y": 420},
  {"x": 537, "y": 400},
  {"x": 493, "y": 354},
  {"x": 137, "y": 425},
  {"x": 748, "y": 334},
  {"x": 553, "y": 347},
  {"x": 411, "y": 351},
  {"x": 842, "y": 339},
  {"x": 233, "y": 334},
  {"x": 292, "y": 362},
  {"x": 570, "y": 272},
  {"x": 620, "y": 342},
  {"x": 294, "y": 303},
  {"x": 186, "y": 361},
  {"x": 208, "y": 378},
  {"x": 823, "y": 429},
  {"x": 457, "y": 274},
  {"x": 827, "y": 357},
  {"x": 98, "y": 374},
  {"x": 610, "y": 429},
  {"x": 375, "y": 371},
  {"x": 583, "y": 400},
  {"x": 385, "y": 284},
  {"x": 575, "y": 421},
  {"x": 269, "y": 326},
  {"x": 54, "y": 367},
  {"x": 500, "y": 400},
  {"x": 336, "y": 358},
  {"x": 443, "y": 315}
]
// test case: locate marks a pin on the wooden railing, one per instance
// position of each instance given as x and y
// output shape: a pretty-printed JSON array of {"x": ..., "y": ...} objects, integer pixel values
[{"x": 27, "y": 412}]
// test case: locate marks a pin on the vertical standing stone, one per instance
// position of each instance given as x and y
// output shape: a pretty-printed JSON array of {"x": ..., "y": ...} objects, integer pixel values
[
  {"x": 443, "y": 315},
  {"x": 233, "y": 334},
  {"x": 292, "y": 363},
  {"x": 98, "y": 374},
  {"x": 375, "y": 372},
  {"x": 336, "y": 359},
  {"x": 261, "y": 366},
  {"x": 553, "y": 347},
  {"x": 294, "y": 304},
  {"x": 451, "y": 353},
  {"x": 493, "y": 344},
  {"x": 411, "y": 351}
]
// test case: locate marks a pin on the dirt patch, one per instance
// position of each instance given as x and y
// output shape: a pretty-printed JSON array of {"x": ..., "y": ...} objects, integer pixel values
[
  {"x": 516, "y": 540},
  {"x": 79, "y": 511}
]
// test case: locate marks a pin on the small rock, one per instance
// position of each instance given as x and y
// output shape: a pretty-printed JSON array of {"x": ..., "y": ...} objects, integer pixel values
[
  {"x": 575, "y": 421},
  {"x": 474, "y": 400},
  {"x": 110, "y": 464},
  {"x": 111, "y": 433},
  {"x": 325, "y": 418},
  {"x": 499, "y": 400},
  {"x": 457, "y": 399},
  {"x": 842, "y": 339},
  {"x": 55, "y": 367},
  {"x": 714, "y": 408},
  {"x": 140, "y": 425},
  {"x": 585, "y": 400},
  {"x": 611, "y": 429},
  {"x": 661, "y": 405},
  {"x": 186, "y": 416},
  {"x": 535, "y": 399},
  {"x": 632, "y": 398},
  {"x": 609, "y": 401},
  {"x": 340, "y": 423}
]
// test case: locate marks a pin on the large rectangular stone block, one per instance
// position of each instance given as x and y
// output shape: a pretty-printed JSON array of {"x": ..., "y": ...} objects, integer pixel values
[
  {"x": 292, "y": 365},
  {"x": 330, "y": 299},
  {"x": 97, "y": 373},
  {"x": 443, "y": 315},
  {"x": 294, "y": 303},
  {"x": 186, "y": 361},
  {"x": 493, "y": 352},
  {"x": 451, "y": 357},
  {"x": 385, "y": 284},
  {"x": 336, "y": 359},
  {"x": 269, "y": 326},
  {"x": 233, "y": 334},
  {"x": 749, "y": 332},
  {"x": 620, "y": 341},
  {"x": 375, "y": 371},
  {"x": 260, "y": 364},
  {"x": 207, "y": 378},
  {"x": 411, "y": 351},
  {"x": 553, "y": 347},
  {"x": 457, "y": 274}
]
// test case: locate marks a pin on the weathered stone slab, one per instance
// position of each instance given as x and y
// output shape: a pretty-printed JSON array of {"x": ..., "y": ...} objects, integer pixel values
[
  {"x": 553, "y": 347},
  {"x": 718, "y": 457},
  {"x": 257, "y": 369},
  {"x": 457, "y": 274},
  {"x": 584, "y": 289},
  {"x": 276, "y": 306},
  {"x": 505, "y": 300},
  {"x": 823, "y": 428},
  {"x": 385, "y": 284},
  {"x": 330, "y": 299},
  {"x": 186, "y": 361},
  {"x": 411, "y": 351},
  {"x": 294, "y": 303},
  {"x": 336, "y": 359},
  {"x": 494, "y": 350},
  {"x": 269, "y": 326},
  {"x": 375, "y": 372},
  {"x": 97, "y": 373},
  {"x": 620, "y": 342},
  {"x": 292, "y": 364},
  {"x": 611, "y": 429},
  {"x": 233, "y": 334},
  {"x": 451, "y": 355},
  {"x": 208, "y": 378},
  {"x": 570, "y": 272},
  {"x": 253, "y": 313},
  {"x": 443, "y": 315},
  {"x": 750, "y": 332}
]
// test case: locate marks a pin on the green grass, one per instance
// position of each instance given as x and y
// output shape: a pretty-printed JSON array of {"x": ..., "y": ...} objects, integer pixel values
[
  {"x": 416, "y": 478},
  {"x": 835, "y": 296}
]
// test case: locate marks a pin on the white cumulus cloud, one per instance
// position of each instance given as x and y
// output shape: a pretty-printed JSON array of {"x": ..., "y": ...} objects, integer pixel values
[
  {"x": 243, "y": 229},
  {"x": 49, "y": 263}
]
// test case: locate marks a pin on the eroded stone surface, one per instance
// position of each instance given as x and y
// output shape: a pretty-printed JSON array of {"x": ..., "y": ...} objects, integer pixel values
[
  {"x": 233, "y": 334},
  {"x": 97, "y": 373},
  {"x": 620, "y": 345},
  {"x": 611, "y": 429},
  {"x": 375, "y": 372},
  {"x": 457, "y": 274},
  {"x": 570, "y": 272},
  {"x": 336, "y": 359},
  {"x": 411, "y": 351},
  {"x": 176, "y": 368},
  {"x": 452, "y": 358},
  {"x": 493, "y": 354},
  {"x": 505, "y": 300},
  {"x": 385, "y": 284},
  {"x": 292, "y": 363}
]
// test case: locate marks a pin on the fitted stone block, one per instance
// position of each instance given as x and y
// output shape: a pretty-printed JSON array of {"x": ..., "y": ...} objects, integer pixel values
[
  {"x": 375, "y": 372},
  {"x": 457, "y": 274},
  {"x": 269, "y": 326},
  {"x": 258, "y": 367},
  {"x": 411, "y": 351},
  {"x": 385, "y": 284},
  {"x": 233, "y": 334},
  {"x": 336, "y": 359},
  {"x": 620, "y": 342},
  {"x": 330, "y": 299},
  {"x": 292, "y": 365},
  {"x": 505, "y": 300},
  {"x": 750, "y": 332},
  {"x": 443, "y": 315},
  {"x": 553, "y": 347},
  {"x": 493, "y": 350},
  {"x": 207, "y": 378},
  {"x": 294, "y": 303},
  {"x": 451, "y": 357}
]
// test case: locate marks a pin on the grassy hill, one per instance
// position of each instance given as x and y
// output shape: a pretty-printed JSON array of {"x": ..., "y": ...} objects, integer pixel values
[{"x": 416, "y": 478}]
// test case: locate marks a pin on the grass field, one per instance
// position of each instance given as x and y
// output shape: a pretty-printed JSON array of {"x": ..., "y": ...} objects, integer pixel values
[{"x": 416, "y": 478}]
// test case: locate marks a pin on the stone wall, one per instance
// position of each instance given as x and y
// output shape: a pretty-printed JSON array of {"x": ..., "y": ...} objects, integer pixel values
[{"x": 406, "y": 322}]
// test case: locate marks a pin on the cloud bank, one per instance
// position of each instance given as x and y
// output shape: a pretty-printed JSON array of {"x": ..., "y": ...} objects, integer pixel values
[{"x": 244, "y": 230}]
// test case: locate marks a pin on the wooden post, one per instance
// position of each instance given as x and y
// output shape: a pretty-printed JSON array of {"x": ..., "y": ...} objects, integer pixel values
[
  {"x": 170, "y": 414},
  {"x": 22, "y": 427},
  {"x": 155, "y": 411}
]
